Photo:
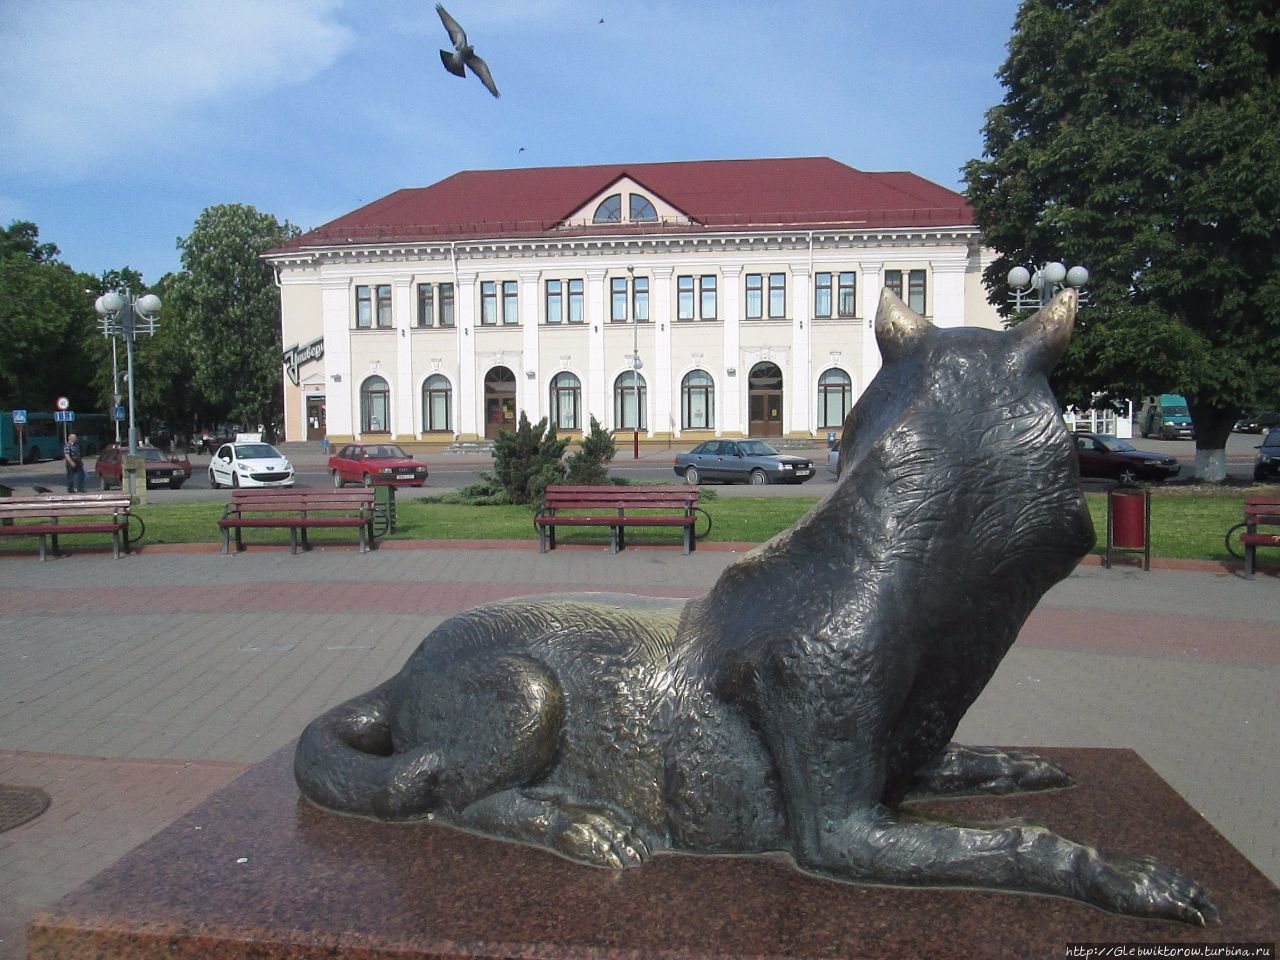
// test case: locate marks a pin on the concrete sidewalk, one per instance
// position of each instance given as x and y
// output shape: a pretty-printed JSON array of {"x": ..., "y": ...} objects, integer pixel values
[{"x": 131, "y": 689}]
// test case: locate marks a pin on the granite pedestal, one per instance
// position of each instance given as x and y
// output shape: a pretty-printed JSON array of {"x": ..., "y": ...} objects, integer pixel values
[{"x": 258, "y": 872}]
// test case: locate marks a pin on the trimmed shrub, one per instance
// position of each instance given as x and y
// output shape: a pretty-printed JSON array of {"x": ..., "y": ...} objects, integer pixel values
[
  {"x": 590, "y": 465},
  {"x": 527, "y": 460}
]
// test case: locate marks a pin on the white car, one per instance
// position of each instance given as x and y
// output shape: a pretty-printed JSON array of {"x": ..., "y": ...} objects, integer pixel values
[{"x": 250, "y": 464}]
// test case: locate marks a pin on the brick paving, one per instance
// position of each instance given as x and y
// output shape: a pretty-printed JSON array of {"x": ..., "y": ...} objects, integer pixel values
[{"x": 131, "y": 689}]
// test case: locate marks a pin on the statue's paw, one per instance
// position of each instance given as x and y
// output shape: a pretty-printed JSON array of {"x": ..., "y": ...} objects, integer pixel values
[
  {"x": 596, "y": 837},
  {"x": 1030, "y": 771},
  {"x": 1145, "y": 887}
]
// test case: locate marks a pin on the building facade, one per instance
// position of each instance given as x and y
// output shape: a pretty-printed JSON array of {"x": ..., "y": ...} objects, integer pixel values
[{"x": 693, "y": 300}]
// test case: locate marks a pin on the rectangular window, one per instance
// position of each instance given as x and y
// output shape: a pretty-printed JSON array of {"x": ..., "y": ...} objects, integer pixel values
[
  {"x": 822, "y": 294},
  {"x": 777, "y": 295},
  {"x": 510, "y": 302},
  {"x": 364, "y": 308},
  {"x": 915, "y": 295},
  {"x": 684, "y": 298},
  {"x": 640, "y": 299},
  {"x": 577, "y": 307},
  {"x": 707, "y": 296},
  {"x": 916, "y": 291},
  {"x": 446, "y": 304},
  {"x": 555, "y": 301},
  {"x": 426, "y": 305},
  {"x": 848, "y": 300},
  {"x": 618, "y": 300},
  {"x": 384, "y": 305},
  {"x": 755, "y": 296},
  {"x": 488, "y": 302}
]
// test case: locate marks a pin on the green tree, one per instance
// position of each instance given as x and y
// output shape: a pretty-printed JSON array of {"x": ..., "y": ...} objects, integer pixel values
[
  {"x": 527, "y": 460},
  {"x": 590, "y": 465},
  {"x": 44, "y": 315},
  {"x": 1141, "y": 138},
  {"x": 230, "y": 309}
]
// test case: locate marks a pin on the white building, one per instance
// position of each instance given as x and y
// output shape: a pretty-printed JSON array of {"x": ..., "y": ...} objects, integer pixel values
[{"x": 746, "y": 289}]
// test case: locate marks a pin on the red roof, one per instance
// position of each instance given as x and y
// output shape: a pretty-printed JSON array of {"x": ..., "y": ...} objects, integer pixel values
[{"x": 717, "y": 195}]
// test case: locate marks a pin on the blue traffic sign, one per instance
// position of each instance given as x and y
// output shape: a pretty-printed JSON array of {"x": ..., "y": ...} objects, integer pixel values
[
  {"x": 64, "y": 416},
  {"x": 19, "y": 416},
  {"x": 117, "y": 413}
]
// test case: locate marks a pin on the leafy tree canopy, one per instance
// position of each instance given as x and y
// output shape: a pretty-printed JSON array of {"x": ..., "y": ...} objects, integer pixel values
[
  {"x": 230, "y": 310},
  {"x": 1141, "y": 138},
  {"x": 43, "y": 312}
]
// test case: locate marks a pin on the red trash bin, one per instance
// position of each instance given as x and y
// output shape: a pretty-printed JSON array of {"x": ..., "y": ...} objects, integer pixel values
[{"x": 1129, "y": 523}]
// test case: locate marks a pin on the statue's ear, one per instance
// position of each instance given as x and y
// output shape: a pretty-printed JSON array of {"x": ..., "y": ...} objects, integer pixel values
[
  {"x": 898, "y": 327},
  {"x": 1042, "y": 338}
]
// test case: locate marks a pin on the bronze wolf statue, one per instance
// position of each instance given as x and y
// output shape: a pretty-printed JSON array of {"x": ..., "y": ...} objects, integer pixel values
[{"x": 816, "y": 685}]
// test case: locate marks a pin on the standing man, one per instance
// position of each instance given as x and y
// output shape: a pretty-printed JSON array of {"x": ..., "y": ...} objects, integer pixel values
[{"x": 75, "y": 465}]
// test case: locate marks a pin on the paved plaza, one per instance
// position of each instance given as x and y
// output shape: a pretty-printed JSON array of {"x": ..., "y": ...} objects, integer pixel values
[{"x": 130, "y": 690}]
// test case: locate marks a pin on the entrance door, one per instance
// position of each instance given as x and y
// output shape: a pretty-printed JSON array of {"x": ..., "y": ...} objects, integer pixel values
[
  {"x": 499, "y": 401},
  {"x": 765, "y": 400},
  {"x": 315, "y": 418}
]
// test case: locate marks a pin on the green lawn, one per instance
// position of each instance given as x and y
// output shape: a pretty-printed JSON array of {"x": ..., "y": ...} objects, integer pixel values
[{"x": 1184, "y": 524}]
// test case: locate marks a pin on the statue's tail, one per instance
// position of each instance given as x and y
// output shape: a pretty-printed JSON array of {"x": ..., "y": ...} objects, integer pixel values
[{"x": 344, "y": 761}]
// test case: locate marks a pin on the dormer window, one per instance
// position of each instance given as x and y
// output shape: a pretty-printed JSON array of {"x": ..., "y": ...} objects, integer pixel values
[
  {"x": 610, "y": 210},
  {"x": 641, "y": 209}
]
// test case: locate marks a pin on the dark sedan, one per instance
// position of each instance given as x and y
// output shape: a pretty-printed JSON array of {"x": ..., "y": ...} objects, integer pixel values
[
  {"x": 741, "y": 461},
  {"x": 162, "y": 469},
  {"x": 1108, "y": 458},
  {"x": 1267, "y": 466}
]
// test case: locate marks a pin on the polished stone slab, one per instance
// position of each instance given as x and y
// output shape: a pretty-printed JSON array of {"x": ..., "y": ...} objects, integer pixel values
[{"x": 257, "y": 872}]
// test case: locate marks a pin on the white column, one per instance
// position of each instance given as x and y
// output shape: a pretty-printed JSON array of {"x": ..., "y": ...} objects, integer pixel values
[
  {"x": 796, "y": 394},
  {"x": 340, "y": 404},
  {"x": 596, "y": 388},
  {"x": 948, "y": 291},
  {"x": 871, "y": 282},
  {"x": 659, "y": 368},
  {"x": 531, "y": 389},
  {"x": 729, "y": 389},
  {"x": 402, "y": 310},
  {"x": 470, "y": 381}
]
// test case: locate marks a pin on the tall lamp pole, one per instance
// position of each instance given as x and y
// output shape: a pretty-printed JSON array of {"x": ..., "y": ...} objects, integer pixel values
[
  {"x": 1034, "y": 290},
  {"x": 635, "y": 368},
  {"x": 122, "y": 313}
]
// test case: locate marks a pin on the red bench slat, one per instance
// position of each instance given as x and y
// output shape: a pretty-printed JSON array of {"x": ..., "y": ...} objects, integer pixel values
[{"x": 295, "y": 510}]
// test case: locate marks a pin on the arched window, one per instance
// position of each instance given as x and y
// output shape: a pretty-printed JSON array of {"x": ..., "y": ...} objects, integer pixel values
[
  {"x": 697, "y": 401},
  {"x": 641, "y": 209},
  {"x": 375, "y": 406},
  {"x": 610, "y": 210},
  {"x": 835, "y": 397},
  {"x": 437, "y": 399},
  {"x": 625, "y": 389},
  {"x": 566, "y": 400}
]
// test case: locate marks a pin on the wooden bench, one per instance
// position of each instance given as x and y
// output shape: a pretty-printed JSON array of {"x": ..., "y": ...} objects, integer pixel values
[
  {"x": 50, "y": 516},
  {"x": 1259, "y": 511},
  {"x": 298, "y": 511},
  {"x": 616, "y": 508}
]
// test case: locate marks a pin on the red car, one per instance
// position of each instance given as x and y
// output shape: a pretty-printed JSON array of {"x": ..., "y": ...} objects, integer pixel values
[
  {"x": 370, "y": 463},
  {"x": 163, "y": 470}
]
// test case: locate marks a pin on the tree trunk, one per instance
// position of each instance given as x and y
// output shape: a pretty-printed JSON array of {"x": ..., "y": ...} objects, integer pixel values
[{"x": 1213, "y": 427}]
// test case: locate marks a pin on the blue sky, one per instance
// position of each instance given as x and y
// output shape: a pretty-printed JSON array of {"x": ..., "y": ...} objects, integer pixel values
[{"x": 121, "y": 121}]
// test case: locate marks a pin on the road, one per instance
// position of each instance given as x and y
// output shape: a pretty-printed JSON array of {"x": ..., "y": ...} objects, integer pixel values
[{"x": 452, "y": 471}]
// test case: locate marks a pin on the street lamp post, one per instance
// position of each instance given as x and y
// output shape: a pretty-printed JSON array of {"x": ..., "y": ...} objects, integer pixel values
[
  {"x": 1034, "y": 290},
  {"x": 635, "y": 368},
  {"x": 128, "y": 315}
]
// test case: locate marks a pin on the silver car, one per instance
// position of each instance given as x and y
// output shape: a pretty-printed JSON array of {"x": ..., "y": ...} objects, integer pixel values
[{"x": 741, "y": 461}]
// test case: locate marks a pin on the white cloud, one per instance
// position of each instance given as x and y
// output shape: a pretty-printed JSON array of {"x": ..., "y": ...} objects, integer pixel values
[{"x": 87, "y": 82}]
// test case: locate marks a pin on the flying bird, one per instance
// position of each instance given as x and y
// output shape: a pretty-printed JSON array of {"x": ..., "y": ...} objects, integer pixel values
[{"x": 463, "y": 55}]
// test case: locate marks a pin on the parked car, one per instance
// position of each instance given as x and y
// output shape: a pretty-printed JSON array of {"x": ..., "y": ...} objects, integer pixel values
[
  {"x": 741, "y": 461},
  {"x": 1104, "y": 456},
  {"x": 376, "y": 463},
  {"x": 250, "y": 464},
  {"x": 1258, "y": 422},
  {"x": 162, "y": 469},
  {"x": 1267, "y": 466}
]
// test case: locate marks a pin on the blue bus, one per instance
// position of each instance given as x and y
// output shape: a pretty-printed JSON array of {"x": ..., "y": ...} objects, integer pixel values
[{"x": 42, "y": 436}]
